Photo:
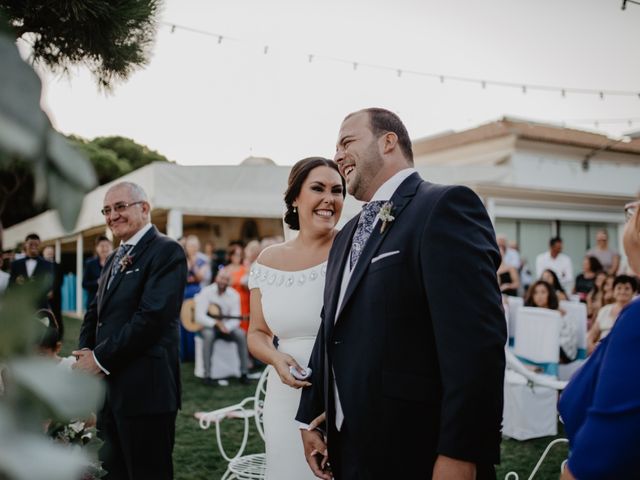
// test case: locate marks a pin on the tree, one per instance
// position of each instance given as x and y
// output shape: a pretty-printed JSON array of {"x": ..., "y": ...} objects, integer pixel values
[
  {"x": 110, "y": 37},
  {"x": 111, "y": 157}
]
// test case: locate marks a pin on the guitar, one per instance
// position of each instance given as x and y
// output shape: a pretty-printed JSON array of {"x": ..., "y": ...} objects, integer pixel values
[{"x": 188, "y": 315}]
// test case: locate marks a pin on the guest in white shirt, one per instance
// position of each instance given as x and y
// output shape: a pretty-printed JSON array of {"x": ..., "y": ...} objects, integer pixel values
[
  {"x": 557, "y": 261},
  {"x": 511, "y": 255},
  {"x": 227, "y": 327}
]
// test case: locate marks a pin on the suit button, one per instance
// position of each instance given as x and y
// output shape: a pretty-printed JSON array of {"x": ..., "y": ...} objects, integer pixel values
[{"x": 99, "y": 324}]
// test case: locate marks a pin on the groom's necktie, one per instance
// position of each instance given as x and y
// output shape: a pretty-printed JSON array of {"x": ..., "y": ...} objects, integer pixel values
[
  {"x": 115, "y": 265},
  {"x": 363, "y": 230}
]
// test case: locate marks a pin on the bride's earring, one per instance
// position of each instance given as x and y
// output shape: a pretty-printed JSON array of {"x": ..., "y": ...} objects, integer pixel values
[{"x": 295, "y": 209}]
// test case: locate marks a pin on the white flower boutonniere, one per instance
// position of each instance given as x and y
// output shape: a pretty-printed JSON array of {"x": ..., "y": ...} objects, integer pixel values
[
  {"x": 125, "y": 262},
  {"x": 385, "y": 215}
]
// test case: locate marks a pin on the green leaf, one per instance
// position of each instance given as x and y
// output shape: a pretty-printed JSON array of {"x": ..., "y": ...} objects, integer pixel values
[
  {"x": 22, "y": 123},
  {"x": 31, "y": 456},
  {"x": 69, "y": 394}
]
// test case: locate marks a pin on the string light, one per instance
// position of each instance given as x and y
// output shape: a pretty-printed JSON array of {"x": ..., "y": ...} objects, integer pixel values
[{"x": 525, "y": 88}]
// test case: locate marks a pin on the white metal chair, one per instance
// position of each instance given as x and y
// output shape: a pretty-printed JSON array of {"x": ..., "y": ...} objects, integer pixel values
[
  {"x": 241, "y": 467},
  {"x": 514, "y": 476}
]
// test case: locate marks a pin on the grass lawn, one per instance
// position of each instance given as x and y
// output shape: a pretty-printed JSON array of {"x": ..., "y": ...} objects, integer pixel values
[{"x": 196, "y": 455}]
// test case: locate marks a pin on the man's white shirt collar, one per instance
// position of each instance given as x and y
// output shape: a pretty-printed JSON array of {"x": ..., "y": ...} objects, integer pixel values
[
  {"x": 388, "y": 188},
  {"x": 133, "y": 241}
]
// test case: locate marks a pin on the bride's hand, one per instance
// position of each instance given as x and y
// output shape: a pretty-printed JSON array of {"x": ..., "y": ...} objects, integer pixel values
[{"x": 282, "y": 364}]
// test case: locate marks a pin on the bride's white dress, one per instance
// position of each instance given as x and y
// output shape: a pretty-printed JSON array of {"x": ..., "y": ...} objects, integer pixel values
[{"x": 291, "y": 304}]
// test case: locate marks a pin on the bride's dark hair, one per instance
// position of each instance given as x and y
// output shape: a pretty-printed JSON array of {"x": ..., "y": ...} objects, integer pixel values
[{"x": 297, "y": 176}]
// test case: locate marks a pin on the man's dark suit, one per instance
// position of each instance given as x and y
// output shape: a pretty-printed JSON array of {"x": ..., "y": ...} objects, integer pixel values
[
  {"x": 92, "y": 271},
  {"x": 44, "y": 272},
  {"x": 417, "y": 347},
  {"x": 132, "y": 327}
]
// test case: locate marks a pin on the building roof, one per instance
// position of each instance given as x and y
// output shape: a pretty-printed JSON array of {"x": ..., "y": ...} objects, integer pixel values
[{"x": 527, "y": 130}]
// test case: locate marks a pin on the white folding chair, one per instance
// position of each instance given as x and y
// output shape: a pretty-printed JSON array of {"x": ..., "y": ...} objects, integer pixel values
[
  {"x": 241, "y": 467},
  {"x": 513, "y": 305}
]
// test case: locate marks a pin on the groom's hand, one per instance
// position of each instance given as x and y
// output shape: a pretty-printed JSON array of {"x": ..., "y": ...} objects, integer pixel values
[
  {"x": 447, "y": 468},
  {"x": 315, "y": 451}
]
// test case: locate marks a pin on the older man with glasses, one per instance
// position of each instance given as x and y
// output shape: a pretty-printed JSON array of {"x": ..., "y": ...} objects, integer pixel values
[{"x": 130, "y": 336}]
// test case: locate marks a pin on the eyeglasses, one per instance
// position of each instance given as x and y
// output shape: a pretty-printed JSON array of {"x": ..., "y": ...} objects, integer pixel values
[
  {"x": 630, "y": 210},
  {"x": 118, "y": 208}
]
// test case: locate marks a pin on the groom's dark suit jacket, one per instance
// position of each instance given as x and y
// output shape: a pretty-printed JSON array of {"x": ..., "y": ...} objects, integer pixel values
[
  {"x": 417, "y": 346},
  {"x": 132, "y": 327}
]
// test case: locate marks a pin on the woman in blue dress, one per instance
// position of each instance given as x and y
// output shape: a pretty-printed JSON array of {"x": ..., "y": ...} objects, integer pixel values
[{"x": 601, "y": 405}]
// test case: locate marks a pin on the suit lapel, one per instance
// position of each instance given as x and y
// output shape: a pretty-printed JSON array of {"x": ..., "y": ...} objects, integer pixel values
[
  {"x": 335, "y": 272},
  {"x": 400, "y": 199},
  {"x": 136, "y": 252}
]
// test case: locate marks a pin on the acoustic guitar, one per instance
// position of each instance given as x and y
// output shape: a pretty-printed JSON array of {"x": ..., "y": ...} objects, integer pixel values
[{"x": 188, "y": 315}]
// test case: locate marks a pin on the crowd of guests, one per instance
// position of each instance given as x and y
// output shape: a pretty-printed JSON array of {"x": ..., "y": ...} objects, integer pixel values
[
  {"x": 217, "y": 283},
  {"x": 604, "y": 285}
]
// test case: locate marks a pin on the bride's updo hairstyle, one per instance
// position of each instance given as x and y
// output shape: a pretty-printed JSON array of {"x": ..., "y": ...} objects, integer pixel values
[{"x": 297, "y": 176}]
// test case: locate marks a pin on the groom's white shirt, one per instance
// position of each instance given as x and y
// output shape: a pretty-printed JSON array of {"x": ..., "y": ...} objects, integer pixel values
[{"x": 384, "y": 193}]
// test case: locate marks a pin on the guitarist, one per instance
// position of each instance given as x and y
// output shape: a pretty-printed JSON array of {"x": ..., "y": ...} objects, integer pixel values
[{"x": 227, "y": 326}]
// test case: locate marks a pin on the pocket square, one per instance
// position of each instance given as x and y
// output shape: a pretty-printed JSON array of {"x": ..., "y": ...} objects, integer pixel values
[
  {"x": 384, "y": 255},
  {"x": 131, "y": 271}
]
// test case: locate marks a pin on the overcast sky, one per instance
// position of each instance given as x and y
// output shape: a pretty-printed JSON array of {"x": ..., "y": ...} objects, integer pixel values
[{"x": 203, "y": 102}]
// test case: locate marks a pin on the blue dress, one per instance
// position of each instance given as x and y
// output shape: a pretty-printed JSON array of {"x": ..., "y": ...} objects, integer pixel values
[{"x": 601, "y": 405}]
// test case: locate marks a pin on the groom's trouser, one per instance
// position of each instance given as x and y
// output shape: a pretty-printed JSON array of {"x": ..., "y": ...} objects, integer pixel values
[{"x": 137, "y": 448}]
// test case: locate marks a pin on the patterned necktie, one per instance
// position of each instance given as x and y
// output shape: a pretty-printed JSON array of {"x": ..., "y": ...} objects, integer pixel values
[
  {"x": 115, "y": 265},
  {"x": 364, "y": 228}
]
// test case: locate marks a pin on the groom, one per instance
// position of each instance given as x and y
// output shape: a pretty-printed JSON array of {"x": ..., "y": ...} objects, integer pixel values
[
  {"x": 130, "y": 335},
  {"x": 408, "y": 363}
]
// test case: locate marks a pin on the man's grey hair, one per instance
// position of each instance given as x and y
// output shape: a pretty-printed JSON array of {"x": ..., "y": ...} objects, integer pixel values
[{"x": 137, "y": 193}]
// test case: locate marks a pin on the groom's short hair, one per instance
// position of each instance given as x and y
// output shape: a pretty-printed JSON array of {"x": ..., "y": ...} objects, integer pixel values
[{"x": 382, "y": 121}]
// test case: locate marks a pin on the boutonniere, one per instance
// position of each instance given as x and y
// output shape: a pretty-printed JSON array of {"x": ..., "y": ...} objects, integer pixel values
[
  {"x": 385, "y": 215},
  {"x": 20, "y": 280},
  {"x": 125, "y": 262}
]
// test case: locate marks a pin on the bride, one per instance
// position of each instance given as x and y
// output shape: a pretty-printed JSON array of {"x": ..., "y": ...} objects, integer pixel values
[{"x": 286, "y": 284}]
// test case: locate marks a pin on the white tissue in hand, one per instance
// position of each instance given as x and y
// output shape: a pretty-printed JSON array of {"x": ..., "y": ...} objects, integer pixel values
[{"x": 306, "y": 373}]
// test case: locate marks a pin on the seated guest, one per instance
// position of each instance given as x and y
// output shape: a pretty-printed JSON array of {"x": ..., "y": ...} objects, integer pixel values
[
  {"x": 227, "y": 327},
  {"x": 601, "y": 405},
  {"x": 508, "y": 277},
  {"x": 607, "y": 290},
  {"x": 551, "y": 278},
  {"x": 542, "y": 295},
  {"x": 93, "y": 267},
  {"x": 624, "y": 287},
  {"x": 594, "y": 297},
  {"x": 586, "y": 279},
  {"x": 197, "y": 265}
]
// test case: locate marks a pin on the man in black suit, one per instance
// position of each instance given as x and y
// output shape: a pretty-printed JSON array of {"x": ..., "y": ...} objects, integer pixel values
[
  {"x": 409, "y": 362},
  {"x": 93, "y": 267},
  {"x": 33, "y": 268},
  {"x": 130, "y": 335}
]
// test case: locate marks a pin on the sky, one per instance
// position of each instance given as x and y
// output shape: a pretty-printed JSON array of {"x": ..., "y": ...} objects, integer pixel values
[{"x": 200, "y": 101}]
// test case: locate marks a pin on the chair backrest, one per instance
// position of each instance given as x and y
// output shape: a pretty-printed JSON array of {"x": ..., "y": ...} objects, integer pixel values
[
  {"x": 537, "y": 341},
  {"x": 577, "y": 313},
  {"x": 514, "y": 304},
  {"x": 258, "y": 400}
]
